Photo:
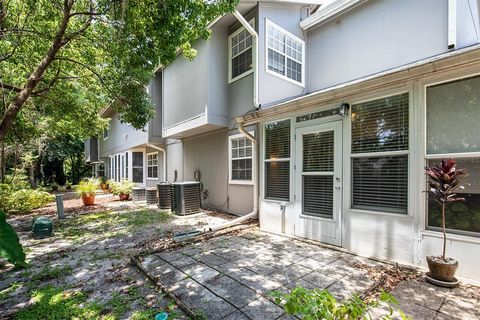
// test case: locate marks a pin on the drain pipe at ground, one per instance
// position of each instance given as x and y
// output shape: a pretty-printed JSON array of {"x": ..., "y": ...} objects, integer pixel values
[
  {"x": 164, "y": 159},
  {"x": 256, "y": 104},
  {"x": 254, "y": 213}
]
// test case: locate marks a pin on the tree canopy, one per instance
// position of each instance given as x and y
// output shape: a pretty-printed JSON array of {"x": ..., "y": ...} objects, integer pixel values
[{"x": 62, "y": 61}]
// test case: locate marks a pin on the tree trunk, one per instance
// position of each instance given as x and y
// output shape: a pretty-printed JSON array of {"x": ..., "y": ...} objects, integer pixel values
[
  {"x": 444, "y": 232},
  {"x": 19, "y": 100},
  {"x": 2, "y": 163}
]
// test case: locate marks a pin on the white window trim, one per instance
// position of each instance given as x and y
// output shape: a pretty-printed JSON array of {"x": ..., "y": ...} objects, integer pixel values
[
  {"x": 349, "y": 156},
  {"x": 284, "y": 77},
  {"x": 425, "y": 84},
  {"x": 107, "y": 130},
  {"x": 130, "y": 167},
  {"x": 149, "y": 154},
  {"x": 246, "y": 73},
  {"x": 230, "y": 180},
  {"x": 291, "y": 195}
]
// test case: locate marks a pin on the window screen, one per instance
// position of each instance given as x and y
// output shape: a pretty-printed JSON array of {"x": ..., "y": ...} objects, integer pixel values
[
  {"x": 380, "y": 125},
  {"x": 241, "y": 159},
  {"x": 152, "y": 166},
  {"x": 380, "y": 183},
  {"x": 137, "y": 167},
  {"x": 284, "y": 53},
  {"x": 241, "y": 52},
  {"x": 453, "y": 117},
  {"x": 277, "y": 160}
]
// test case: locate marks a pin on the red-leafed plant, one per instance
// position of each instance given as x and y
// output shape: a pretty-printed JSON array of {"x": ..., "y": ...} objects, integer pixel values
[{"x": 443, "y": 180}]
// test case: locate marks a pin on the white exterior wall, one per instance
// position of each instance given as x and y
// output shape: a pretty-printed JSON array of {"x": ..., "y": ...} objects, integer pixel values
[{"x": 401, "y": 238}]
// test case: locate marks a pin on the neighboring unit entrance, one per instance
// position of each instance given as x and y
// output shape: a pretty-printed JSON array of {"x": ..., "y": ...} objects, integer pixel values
[{"x": 318, "y": 182}]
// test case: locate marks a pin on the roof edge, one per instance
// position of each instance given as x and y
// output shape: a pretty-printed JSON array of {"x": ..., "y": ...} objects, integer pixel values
[
  {"x": 334, "y": 9},
  {"x": 462, "y": 57}
]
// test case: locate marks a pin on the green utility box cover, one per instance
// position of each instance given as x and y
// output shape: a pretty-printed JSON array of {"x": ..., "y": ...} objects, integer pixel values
[{"x": 42, "y": 227}]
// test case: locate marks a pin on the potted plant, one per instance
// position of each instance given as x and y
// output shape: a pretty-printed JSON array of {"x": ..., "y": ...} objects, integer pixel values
[
  {"x": 122, "y": 189},
  {"x": 103, "y": 183},
  {"x": 443, "y": 180},
  {"x": 86, "y": 189}
]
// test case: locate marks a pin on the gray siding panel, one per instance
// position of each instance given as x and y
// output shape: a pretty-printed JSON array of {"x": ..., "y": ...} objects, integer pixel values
[
  {"x": 374, "y": 37},
  {"x": 272, "y": 88},
  {"x": 91, "y": 150},
  {"x": 209, "y": 155},
  {"x": 174, "y": 160},
  {"x": 155, "y": 124},
  {"x": 218, "y": 69},
  {"x": 121, "y": 137},
  {"x": 186, "y": 86}
]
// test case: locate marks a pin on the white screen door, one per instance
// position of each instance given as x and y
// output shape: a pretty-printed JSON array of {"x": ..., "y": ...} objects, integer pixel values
[{"x": 318, "y": 191}]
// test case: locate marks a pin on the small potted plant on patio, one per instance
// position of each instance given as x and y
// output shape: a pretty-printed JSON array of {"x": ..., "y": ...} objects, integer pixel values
[
  {"x": 443, "y": 180},
  {"x": 86, "y": 190},
  {"x": 122, "y": 189},
  {"x": 103, "y": 181}
]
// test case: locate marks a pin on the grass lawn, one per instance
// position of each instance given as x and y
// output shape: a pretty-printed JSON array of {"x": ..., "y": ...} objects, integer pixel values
[{"x": 83, "y": 272}]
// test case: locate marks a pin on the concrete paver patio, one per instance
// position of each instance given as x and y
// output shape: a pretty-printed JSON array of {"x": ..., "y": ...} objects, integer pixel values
[{"x": 231, "y": 277}]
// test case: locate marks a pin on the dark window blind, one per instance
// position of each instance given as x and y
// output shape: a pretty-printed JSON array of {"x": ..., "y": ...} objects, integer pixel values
[
  {"x": 318, "y": 151},
  {"x": 277, "y": 166},
  {"x": 380, "y": 183}
]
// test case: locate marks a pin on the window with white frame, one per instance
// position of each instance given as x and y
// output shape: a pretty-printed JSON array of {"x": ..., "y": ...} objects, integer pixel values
[
  {"x": 453, "y": 131},
  {"x": 241, "y": 159},
  {"x": 285, "y": 54},
  {"x": 277, "y": 160},
  {"x": 152, "y": 165},
  {"x": 240, "y": 47},
  {"x": 106, "y": 133},
  {"x": 380, "y": 137}
]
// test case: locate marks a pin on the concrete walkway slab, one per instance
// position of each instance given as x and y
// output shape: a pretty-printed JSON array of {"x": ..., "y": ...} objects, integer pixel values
[{"x": 236, "y": 274}]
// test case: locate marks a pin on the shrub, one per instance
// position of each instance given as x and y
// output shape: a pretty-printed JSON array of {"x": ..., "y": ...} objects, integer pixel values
[
  {"x": 124, "y": 187},
  {"x": 54, "y": 186},
  {"x": 68, "y": 185},
  {"x": 25, "y": 200},
  {"x": 87, "y": 187},
  {"x": 5, "y": 192},
  {"x": 320, "y": 304}
]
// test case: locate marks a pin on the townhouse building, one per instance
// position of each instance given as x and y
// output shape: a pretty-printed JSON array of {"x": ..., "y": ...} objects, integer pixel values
[{"x": 320, "y": 116}]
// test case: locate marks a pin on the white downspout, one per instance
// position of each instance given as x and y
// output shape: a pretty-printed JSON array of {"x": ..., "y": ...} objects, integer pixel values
[{"x": 164, "y": 159}]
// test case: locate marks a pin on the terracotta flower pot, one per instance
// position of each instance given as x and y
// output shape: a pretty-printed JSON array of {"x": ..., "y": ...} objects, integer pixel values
[
  {"x": 88, "y": 199},
  {"x": 124, "y": 196},
  {"x": 442, "y": 270}
]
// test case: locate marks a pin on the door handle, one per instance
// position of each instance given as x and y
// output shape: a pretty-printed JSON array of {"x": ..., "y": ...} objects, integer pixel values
[{"x": 337, "y": 188}]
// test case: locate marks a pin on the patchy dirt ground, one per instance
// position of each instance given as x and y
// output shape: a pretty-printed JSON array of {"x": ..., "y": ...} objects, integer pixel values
[{"x": 84, "y": 271}]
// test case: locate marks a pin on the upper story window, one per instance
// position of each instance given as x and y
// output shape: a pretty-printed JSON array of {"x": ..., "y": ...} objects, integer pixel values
[
  {"x": 240, "y": 53},
  {"x": 106, "y": 133},
  {"x": 241, "y": 159},
  {"x": 285, "y": 54}
]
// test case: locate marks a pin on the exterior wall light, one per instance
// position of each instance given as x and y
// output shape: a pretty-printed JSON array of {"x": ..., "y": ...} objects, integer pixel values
[{"x": 343, "y": 109}]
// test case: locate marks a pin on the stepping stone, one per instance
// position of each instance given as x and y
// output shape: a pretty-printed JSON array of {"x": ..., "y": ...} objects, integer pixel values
[{"x": 262, "y": 309}]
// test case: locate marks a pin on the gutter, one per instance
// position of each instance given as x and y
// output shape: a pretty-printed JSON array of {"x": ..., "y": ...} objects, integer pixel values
[
  {"x": 329, "y": 12},
  {"x": 254, "y": 213},
  {"x": 451, "y": 60},
  {"x": 164, "y": 159}
]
